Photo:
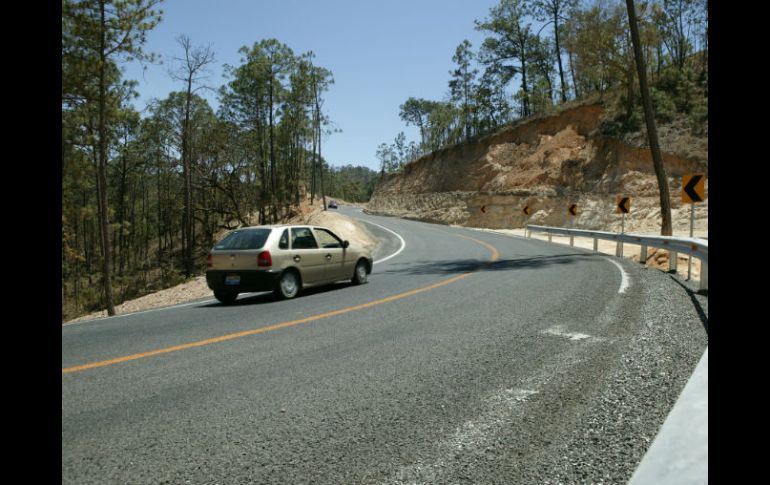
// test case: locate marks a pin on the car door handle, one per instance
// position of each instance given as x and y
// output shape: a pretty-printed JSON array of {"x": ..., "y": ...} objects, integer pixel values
[
  {"x": 297, "y": 258},
  {"x": 328, "y": 256}
]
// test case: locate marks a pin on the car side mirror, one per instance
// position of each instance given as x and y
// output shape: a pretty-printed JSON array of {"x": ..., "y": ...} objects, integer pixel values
[{"x": 345, "y": 244}]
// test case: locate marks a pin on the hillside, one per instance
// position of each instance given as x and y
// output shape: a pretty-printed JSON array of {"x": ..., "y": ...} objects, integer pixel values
[{"x": 548, "y": 163}]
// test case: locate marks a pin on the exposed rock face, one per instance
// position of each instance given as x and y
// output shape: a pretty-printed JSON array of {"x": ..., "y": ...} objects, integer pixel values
[{"x": 547, "y": 164}]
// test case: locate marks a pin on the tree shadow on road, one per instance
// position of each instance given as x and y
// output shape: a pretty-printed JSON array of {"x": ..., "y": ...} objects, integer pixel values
[{"x": 455, "y": 266}]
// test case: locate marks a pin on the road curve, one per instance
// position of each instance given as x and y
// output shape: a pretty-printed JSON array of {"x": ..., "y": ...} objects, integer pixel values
[{"x": 468, "y": 357}]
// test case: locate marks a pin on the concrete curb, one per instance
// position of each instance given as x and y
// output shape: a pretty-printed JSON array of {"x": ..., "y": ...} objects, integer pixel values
[{"x": 679, "y": 453}]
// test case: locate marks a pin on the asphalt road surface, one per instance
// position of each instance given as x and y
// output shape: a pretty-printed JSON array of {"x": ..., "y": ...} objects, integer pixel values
[{"x": 469, "y": 357}]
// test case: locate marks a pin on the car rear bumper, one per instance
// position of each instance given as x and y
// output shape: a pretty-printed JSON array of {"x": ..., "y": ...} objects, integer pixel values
[{"x": 254, "y": 280}]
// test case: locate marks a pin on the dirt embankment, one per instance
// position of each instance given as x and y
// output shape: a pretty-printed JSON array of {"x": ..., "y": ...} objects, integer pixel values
[
  {"x": 196, "y": 288},
  {"x": 546, "y": 163}
]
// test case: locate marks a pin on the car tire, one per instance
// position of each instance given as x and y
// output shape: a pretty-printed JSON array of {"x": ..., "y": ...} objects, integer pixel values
[
  {"x": 288, "y": 285},
  {"x": 225, "y": 297},
  {"x": 361, "y": 273}
]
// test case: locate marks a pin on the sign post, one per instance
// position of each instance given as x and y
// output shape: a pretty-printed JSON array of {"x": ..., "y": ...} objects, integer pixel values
[
  {"x": 622, "y": 207},
  {"x": 693, "y": 190},
  {"x": 572, "y": 211},
  {"x": 526, "y": 210}
]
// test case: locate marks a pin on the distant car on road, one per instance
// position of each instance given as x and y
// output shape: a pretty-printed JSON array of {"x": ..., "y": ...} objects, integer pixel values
[
  {"x": 332, "y": 204},
  {"x": 283, "y": 259}
]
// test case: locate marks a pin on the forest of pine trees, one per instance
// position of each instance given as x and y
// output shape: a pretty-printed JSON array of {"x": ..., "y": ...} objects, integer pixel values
[
  {"x": 143, "y": 197},
  {"x": 539, "y": 54}
]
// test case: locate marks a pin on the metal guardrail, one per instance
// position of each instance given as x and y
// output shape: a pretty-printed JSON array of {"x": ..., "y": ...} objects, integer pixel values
[{"x": 695, "y": 247}]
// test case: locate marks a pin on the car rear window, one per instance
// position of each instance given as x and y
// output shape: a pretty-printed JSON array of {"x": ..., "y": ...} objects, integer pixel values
[{"x": 244, "y": 239}]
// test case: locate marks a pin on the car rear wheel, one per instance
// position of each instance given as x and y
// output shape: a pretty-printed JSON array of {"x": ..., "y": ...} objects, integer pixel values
[
  {"x": 288, "y": 285},
  {"x": 225, "y": 297},
  {"x": 361, "y": 274}
]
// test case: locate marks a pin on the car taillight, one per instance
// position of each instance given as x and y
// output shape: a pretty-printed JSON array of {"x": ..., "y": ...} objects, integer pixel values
[
  {"x": 209, "y": 261},
  {"x": 264, "y": 259}
]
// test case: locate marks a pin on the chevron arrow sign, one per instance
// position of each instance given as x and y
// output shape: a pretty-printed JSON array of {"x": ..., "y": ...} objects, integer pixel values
[
  {"x": 623, "y": 205},
  {"x": 693, "y": 188}
]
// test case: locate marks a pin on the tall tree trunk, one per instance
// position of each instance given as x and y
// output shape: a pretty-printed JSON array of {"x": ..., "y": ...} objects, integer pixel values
[
  {"x": 273, "y": 179},
  {"x": 660, "y": 170},
  {"x": 187, "y": 222},
  {"x": 558, "y": 56},
  {"x": 263, "y": 189},
  {"x": 574, "y": 79},
  {"x": 318, "y": 128},
  {"x": 313, "y": 166},
  {"x": 525, "y": 101},
  {"x": 160, "y": 210},
  {"x": 120, "y": 240},
  {"x": 102, "y": 170},
  {"x": 321, "y": 165}
]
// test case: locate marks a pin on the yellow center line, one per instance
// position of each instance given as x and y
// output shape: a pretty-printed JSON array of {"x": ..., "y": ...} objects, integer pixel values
[{"x": 200, "y": 343}]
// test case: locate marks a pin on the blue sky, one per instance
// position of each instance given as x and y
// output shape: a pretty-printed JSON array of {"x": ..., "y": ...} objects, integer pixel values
[{"x": 380, "y": 53}]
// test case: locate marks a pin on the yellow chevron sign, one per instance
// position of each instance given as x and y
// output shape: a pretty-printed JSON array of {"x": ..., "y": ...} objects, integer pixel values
[
  {"x": 693, "y": 188},
  {"x": 622, "y": 205}
]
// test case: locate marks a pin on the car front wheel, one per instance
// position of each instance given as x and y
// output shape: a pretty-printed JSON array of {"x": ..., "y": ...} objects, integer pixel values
[{"x": 360, "y": 275}]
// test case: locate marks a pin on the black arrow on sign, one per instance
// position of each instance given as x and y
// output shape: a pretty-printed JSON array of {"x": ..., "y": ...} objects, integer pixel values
[
  {"x": 689, "y": 189},
  {"x": 484, "y": 209},
  {"x": 526, "y": 210},
  {"x": 573, "y": 209},
  {"x": 623, "y": 205}
]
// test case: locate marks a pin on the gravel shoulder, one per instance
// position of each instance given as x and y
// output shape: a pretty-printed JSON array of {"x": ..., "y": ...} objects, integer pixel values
[{"x": 612, "y": 435}]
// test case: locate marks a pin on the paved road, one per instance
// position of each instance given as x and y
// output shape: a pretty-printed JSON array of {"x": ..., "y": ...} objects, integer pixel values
[{"x": 469, "y": 357}]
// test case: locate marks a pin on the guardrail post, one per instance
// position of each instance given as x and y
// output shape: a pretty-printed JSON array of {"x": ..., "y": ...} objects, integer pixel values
[
  {"x": 704, "y": 276},
  {"x": 643, "y": 255},
  {"x": 596, "y": 245},
  {"x": 549, "y": 237},
  {"x": 571, "y": 240},
  {"x": 672, "y": 259}
]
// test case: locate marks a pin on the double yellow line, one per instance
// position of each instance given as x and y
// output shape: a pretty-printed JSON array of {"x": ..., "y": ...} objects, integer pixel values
[{"x": 231, "y": 336}]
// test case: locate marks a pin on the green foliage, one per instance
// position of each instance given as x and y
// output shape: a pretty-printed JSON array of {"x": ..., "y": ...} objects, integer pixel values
[
  {"x": 509, "y": 46},
  {"x": 684, "y": 88},
  {"x": 352, "y": 183},
  {"x": 663, "y": 105},
  {"x": 248, "y": 162},
  {"x": 522, "y": 73},
  {"x": 462, "y": 86}
]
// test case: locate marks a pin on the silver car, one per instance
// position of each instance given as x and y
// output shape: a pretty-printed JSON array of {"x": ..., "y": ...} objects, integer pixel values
[{"x": 283, "y": 259}]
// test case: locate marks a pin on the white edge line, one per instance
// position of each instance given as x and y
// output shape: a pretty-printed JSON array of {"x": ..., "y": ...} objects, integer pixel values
[
  {"x": 623, "y": 276},
  {"x": 403, "y": 243},
  {"x": 99, "y": 319}
]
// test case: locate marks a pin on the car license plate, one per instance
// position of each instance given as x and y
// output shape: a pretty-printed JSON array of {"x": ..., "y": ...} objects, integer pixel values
[{"x": 232, "y": 279}]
